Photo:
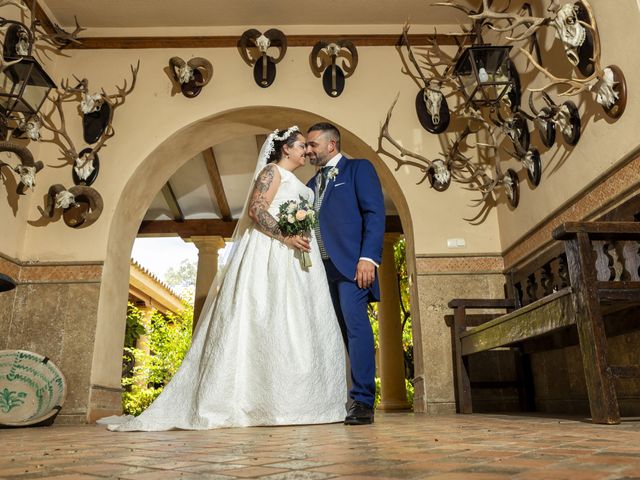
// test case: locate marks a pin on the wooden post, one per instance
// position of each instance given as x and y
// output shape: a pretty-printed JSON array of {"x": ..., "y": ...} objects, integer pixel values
[
  {"x": 462, "y": 366},
  {"x": 603, "y": 401}
]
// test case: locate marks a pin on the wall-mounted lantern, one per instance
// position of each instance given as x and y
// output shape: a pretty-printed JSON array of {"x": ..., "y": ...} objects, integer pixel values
[
  {"x": 485, "y": 73},
  {"x": 25, "y": 86}
]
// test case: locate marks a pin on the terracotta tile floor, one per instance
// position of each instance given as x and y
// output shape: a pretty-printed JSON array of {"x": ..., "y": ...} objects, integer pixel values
[{"x": 398, "y": 446}]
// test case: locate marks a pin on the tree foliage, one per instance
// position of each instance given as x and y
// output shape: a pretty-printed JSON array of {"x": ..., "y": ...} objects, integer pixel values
[
  {"x": 182, "y": 276},
  {"x": 168, "y": 338}
]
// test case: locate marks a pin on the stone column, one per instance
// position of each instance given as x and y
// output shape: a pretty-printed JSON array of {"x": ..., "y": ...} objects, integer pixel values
[
  {"x": 392, "y": 384},
  {"x": 208, "y": 247}
]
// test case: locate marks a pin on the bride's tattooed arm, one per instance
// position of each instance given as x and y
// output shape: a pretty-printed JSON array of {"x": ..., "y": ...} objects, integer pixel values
[{"x": 264, "y": 191}]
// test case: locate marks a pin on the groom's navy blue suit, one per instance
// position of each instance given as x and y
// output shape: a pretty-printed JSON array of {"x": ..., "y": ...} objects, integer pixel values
[{"x": 352, "y": 224}]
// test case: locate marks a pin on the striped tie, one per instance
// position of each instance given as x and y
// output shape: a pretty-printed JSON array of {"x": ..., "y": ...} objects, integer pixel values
[{"x": 321, "y": 183}]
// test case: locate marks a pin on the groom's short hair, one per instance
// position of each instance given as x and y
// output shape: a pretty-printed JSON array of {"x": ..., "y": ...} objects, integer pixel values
[{"x": 329, "y": 128}]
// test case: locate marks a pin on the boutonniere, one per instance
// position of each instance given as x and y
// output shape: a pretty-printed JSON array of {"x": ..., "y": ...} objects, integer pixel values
[{"x": 333, "y": 173}]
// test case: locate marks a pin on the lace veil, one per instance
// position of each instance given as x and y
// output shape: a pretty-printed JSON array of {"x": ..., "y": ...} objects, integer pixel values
[{"x": 244, "y": 222}]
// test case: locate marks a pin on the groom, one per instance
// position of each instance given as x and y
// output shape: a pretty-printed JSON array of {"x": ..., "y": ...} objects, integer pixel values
[{"x": 350, "y": 232}]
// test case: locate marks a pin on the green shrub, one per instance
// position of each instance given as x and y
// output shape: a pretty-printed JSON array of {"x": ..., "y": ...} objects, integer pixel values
[{"x": 168, "y": 338}]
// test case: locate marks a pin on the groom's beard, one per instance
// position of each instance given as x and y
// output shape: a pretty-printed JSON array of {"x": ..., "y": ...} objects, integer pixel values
[{"x": 316, "y": 160}]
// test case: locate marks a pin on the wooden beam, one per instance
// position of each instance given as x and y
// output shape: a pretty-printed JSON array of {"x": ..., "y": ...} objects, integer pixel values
[
  {"x": 172, "y": 202},
  {"x": 231, "y": 41},
  {"x": 216, "y": 183},
  {"x": 204, "y": 227},
  {"x": 40, "y": 15},
  {"x": 188, "y": 228}
]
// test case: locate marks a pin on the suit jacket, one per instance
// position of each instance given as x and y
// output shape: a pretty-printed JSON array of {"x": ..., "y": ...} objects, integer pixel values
[{"x": 352, "y": 217}]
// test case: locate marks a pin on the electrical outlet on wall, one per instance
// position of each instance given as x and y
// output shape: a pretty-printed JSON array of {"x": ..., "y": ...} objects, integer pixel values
[{"x": 456, "y": 243}]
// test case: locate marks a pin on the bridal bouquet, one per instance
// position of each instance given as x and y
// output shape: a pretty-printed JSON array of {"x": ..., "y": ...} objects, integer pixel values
[{"x": 297, "y": 218}]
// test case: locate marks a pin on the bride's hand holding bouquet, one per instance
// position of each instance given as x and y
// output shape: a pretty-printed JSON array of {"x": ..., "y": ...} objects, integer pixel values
[{"x": 297, "y": 219}]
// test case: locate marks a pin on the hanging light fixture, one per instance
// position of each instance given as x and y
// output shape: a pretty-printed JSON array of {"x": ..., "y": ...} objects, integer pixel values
[
  {"x": 486, "y": 74},
  {"x": 24, "y": 87},
  {"x": 24, "y": 84}
]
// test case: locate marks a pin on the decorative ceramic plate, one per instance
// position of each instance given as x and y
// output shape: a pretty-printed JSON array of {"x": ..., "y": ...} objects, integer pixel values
[{"x": 32, "y": 389}]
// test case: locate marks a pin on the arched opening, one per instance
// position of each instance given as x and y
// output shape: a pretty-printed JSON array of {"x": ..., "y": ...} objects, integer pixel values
[{"x": 138, "y": 194}]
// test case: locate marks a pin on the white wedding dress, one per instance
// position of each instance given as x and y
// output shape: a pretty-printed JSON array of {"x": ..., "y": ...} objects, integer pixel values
[{"x": 268, "y": 351}]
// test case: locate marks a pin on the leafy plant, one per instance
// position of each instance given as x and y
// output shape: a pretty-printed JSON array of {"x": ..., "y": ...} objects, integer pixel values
[{"x": 168, "y": 338}]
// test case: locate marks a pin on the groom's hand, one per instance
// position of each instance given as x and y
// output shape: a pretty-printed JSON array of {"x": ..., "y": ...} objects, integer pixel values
[{"x": 365, "y": 274}]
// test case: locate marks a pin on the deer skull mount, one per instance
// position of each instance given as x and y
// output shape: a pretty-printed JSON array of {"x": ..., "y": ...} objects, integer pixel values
[
  {"x": 511, "y": 185},
  {"x": 516, "y": 129},
  {"x": 439, "y": 175},
  {"x": 97, "y": 112},
  {"x": 254, "y": 46},
  {"x": 553, "y": 117},
  {"x": 323, "y": 60},
  {"x": 432, "y": 108},
  {"x": 192, "y": 75},
  {"x": 431, "y": 105}
]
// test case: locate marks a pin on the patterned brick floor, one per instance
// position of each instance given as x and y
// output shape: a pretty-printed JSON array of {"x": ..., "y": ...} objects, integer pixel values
[{"x": 398, "y": 446}]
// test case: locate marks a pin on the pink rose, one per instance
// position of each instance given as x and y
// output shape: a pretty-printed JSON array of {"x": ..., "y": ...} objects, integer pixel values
[{"x": 301, "y": 215}]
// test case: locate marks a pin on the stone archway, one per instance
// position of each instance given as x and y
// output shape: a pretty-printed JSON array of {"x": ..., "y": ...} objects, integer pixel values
[{"x": 136, "y": 197}]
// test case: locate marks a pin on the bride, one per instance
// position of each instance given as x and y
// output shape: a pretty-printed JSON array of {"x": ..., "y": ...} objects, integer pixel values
[{"x": 267, "y": 349}]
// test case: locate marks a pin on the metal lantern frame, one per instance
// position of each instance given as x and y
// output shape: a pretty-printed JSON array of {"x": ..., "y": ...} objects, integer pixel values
[
  {"x": 485, "y": 88},
  {"x": 28, "y": 87}
]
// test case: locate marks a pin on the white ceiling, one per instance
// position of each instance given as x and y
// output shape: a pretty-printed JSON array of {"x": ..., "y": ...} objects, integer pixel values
[{"x": 221, "y": 13}]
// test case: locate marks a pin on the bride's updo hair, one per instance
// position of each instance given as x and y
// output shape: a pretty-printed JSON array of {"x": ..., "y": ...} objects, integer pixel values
[{"x": 282, "y": 138}]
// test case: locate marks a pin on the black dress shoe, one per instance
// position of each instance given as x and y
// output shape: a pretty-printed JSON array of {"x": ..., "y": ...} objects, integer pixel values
[{"x": 359, "y": 414}]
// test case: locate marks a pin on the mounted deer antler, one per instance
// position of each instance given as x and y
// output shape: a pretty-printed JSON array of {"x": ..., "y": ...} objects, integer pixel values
[
  {"x": 83, "y": 161},
  {"x": 117, "y": 99},
  {"x": 15, "y": 3},
  {"x": 422, "y": 163},
  {"x": 4, "y": 65},
  {"x": 440, "y": 171},
  {"x": 455, "y": 165},
  {"x": 60, "y": 38},
  {"x": 574, "y": 85}
]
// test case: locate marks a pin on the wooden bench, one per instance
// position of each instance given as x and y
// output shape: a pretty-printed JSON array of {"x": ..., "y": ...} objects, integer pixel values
[{"x": 588, "y": 280}]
